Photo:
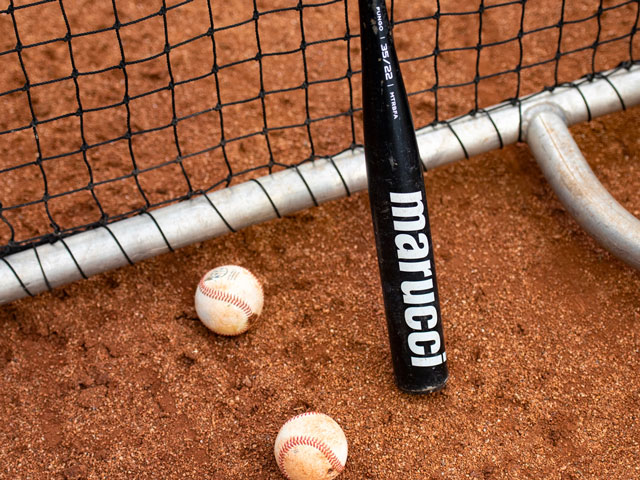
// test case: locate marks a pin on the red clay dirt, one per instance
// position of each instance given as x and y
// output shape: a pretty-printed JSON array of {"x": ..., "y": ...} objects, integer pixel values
[{"x": 115, "y": 377}]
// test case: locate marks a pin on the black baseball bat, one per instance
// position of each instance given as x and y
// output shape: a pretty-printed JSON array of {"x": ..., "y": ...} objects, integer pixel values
[{"x": 399, "y": 209}]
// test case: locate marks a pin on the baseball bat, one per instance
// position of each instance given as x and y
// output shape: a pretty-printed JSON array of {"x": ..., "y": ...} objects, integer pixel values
[{"x": 399, "y": 210}]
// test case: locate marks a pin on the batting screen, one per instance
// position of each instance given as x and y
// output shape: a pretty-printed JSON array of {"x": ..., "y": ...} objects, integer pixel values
[{"x": 143, "y": 104}]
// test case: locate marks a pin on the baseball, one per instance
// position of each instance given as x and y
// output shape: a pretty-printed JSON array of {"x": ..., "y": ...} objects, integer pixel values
[
  {"x": 311, "y": 446},
  {"x": 229, "y": 299}
]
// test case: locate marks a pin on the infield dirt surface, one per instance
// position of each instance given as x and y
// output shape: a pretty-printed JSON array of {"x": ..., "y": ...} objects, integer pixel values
[{"x": 115, "y": 377}]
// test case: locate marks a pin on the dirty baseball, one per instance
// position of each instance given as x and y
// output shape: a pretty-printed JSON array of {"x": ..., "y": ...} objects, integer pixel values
[
  {"x": 229, "y": 299},
  {"x": 311, "y": 446}
]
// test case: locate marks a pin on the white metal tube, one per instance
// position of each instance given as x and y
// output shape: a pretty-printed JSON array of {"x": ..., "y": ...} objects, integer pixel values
[
  {"x": 578, "y": 188},
  {"x": 181, "y": 224},
  {"x": 484, "y": 131},
  {"x": 194, "y": 220}
]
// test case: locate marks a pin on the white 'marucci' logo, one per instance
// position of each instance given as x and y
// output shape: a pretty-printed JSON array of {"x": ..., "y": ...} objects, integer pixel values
[{"x": 418, "y": 295}]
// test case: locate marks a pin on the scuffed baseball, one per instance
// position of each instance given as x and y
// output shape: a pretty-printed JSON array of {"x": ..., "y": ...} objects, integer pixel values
[
  {"x": 311, "y": 446},
  {"x": 229, "y": 299}
]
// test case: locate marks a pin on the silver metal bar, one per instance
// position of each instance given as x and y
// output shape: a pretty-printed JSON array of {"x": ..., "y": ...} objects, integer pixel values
[
  {"x": 182, "y": 224},
  {"x": 578, "y": 188},
  {"x": 505, "y": 124},
  {"x": 245, "y": 204}
]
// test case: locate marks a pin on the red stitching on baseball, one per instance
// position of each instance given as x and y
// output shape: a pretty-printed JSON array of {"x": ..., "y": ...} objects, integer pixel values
[
  {"x": 226, "y": 297},
  {"x": 311, "y": 442}
]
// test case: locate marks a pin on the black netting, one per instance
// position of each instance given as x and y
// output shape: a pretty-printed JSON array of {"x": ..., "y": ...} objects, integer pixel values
[{"x": 110, "y": 109}]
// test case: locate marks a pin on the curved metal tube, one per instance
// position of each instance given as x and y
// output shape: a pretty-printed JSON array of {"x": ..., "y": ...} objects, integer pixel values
[{"x": 577, "y": 187}]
